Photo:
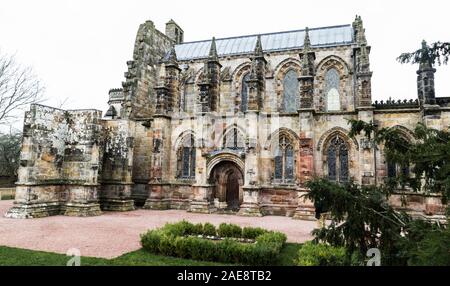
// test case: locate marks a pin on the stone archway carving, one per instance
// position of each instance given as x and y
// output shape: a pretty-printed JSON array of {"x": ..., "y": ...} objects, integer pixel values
[
  {"x": 224, "y": 156},
  {"x": 405, "y": 132},
  {"x": 336, "y": 130},
  {"x": 227, "y": 180}
]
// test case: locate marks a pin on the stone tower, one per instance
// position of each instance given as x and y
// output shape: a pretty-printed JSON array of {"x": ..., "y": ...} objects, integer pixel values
[
  {"x": 425, "y": 79},
  {"x": 174, "y": 32}
]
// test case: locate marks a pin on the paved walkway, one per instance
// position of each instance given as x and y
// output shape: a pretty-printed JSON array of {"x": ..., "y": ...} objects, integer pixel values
[{"x": 113, "y": 234}]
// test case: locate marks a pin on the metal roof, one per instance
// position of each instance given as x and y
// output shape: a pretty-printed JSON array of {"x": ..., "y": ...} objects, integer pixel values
[{"x": 320, "y": 37}]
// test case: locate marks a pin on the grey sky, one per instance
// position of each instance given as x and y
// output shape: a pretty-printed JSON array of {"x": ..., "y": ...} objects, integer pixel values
[{"x": 79, "y": 48}]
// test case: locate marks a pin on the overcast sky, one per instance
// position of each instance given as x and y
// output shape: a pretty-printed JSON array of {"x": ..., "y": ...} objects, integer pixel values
[{"x": 79, "y": 48}]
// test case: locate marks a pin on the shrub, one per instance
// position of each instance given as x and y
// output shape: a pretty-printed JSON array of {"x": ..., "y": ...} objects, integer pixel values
[
  {"x": 197, "y": 229},
  {"x": 194, "y": 248},
  {"x": 167, "y": 245},
  {"x": 182, "y": 248},
  {"x": 151, "y": 240},
  {"x": 312, "y": 254},
  {"x": 272, "y": 237},
  {"x": 227, "y": 250},
  {"x": 433, "y": 249},
  {"x": 209, "y": 229},
  {"x": 173, "y": 240},
  {"x": 205, "y": 250},
  {"x": 179, "y": 229},
  {"x": 229, "y": 230},
  {"x": 263, "y": 254},
  {"x": 252, "y": 232}
]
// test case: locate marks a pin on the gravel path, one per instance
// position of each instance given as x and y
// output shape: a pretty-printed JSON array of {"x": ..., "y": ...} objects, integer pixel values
[{"x": 115, "y": 233}]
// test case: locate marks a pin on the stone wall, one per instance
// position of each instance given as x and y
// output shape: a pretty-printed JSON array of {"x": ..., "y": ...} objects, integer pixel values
[
  {"x": 63, "y": 153},
  {"x": 59, "y": 164},
  {"x": 116, "y": 176}
]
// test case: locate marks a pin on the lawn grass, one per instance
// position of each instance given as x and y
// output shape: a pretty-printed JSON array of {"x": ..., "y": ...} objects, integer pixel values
[{"x": 10, "y": 256}]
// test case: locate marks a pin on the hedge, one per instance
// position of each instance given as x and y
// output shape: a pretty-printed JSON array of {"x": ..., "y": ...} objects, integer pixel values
[
  {"x": 182, "y": 240},
  {"x": 320, "y": 254},
  {"x": 229, "y": 230}
]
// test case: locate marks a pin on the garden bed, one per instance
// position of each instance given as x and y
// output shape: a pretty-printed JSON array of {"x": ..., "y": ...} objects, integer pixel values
[{"x": 229, "y": 243}]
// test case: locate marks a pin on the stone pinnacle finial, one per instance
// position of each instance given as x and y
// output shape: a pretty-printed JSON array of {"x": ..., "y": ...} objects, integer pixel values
[
  {"x": 258, "y": 47},
  {"x": 307, "y": 41},
  {"x": 213, "y": 50},
  {"x": 424, "y": 44},
  {"x": 425, "y": 61},
  {"x": 360, "y": 32},
  {"x": 307, "y": 56}
]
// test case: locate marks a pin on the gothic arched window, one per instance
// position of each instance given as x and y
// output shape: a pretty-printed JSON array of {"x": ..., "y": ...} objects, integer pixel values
[
  {"x": 394, "y": 169},
  {"x": 332, "y": 83},
  {"x": 290, "y": 90},
  {"x": 284, "y": 160},
  {"x": 244, "y": 93},
  {"x": 186, "y": 158},
  {"x": 337, "y": 157},
  {"x": 233, "y": 140}
]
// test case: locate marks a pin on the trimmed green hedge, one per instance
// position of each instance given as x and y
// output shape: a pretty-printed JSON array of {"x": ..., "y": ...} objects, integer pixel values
[
  {"x": 209, "y": 229},
  {"x": 320, "y": 254},
  {"x": 229, "y": 230},
  {"x": 178, "y": 240}
]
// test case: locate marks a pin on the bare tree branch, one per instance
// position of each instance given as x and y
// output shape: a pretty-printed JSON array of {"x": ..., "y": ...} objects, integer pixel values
[
  {"x": 10, "y": 145},
  {"x": 19, "y": 87}
]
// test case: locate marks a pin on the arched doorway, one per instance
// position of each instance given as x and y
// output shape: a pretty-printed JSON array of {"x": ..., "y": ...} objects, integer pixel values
[{"x": 227, "y": 180}]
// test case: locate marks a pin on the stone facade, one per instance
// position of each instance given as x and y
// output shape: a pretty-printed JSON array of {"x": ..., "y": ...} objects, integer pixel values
[{"x": 234, "y": 125}]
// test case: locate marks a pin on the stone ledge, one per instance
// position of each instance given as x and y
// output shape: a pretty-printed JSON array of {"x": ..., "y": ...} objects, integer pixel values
[
  {"x": 157, "y": 204},
  {"x": 82, "y": 209},
  {"x": 118, "y": 205},
  {"x": 27, "y": 211},
  {"x": 201, "y": 207},
  {"x": 250, "y": 209}
]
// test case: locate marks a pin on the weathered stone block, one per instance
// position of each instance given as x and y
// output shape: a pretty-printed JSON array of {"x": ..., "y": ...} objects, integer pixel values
[{"x": 82, "y": 209}]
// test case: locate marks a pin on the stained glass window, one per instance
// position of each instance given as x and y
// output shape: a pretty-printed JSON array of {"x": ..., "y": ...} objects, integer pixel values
[
  {"x": 337, "y": 159},
  {"x": 234, "y": 140},
  {"x": 192, "y": 161},
  {"x": 289, "y": 172},
  {"x": 278, "y": 164},
  {"x": 290, "y": 94},
  {"x": 394, "y": 169},
  {"x": 332, "y": 163},
  {"x": 186, "y": 158},
  {"x": 284, "y": 161},
  {"x": 332, "y": 83},
  {"x": 343, "y": 160},
  {"x": 244, "y": 93}
]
